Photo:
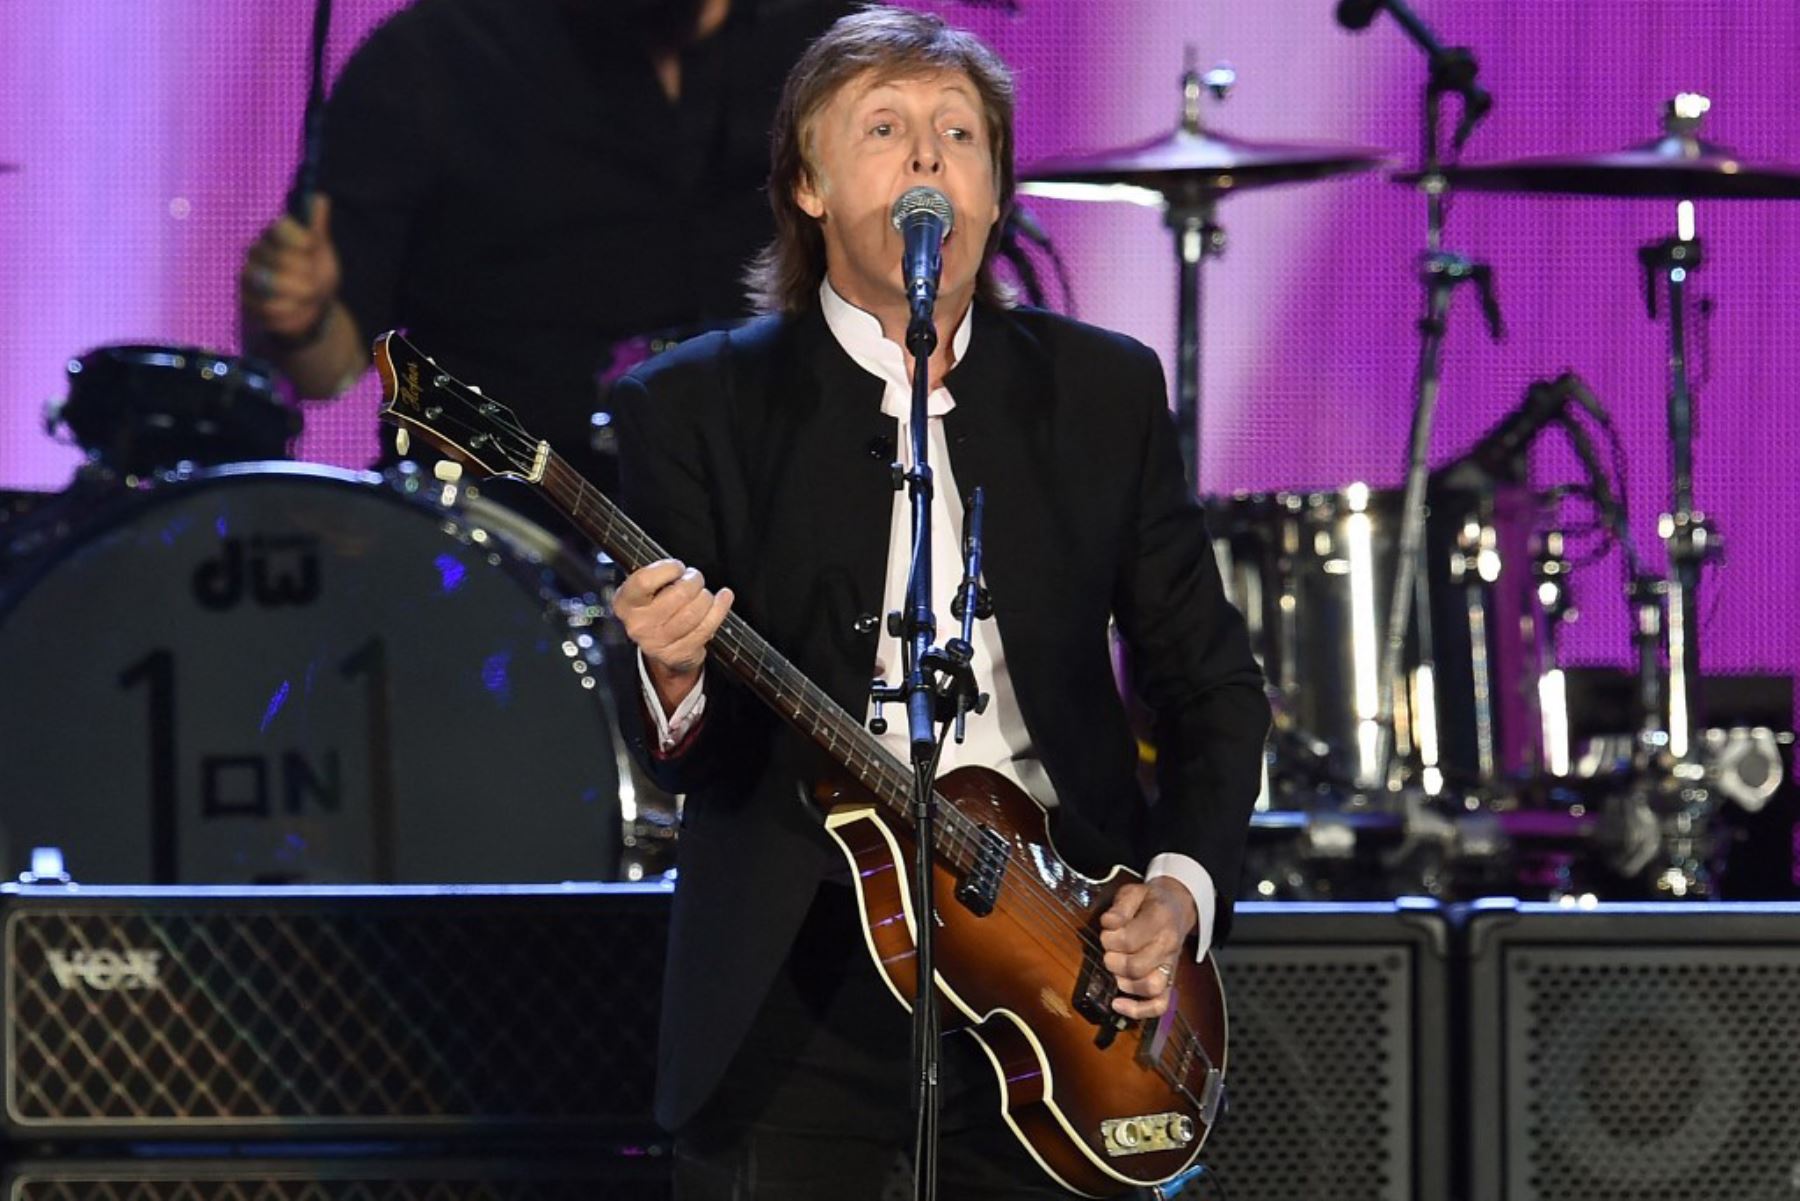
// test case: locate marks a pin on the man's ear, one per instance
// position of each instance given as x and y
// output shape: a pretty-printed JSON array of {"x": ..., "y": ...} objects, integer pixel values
[{"x": 810, "y": 197}]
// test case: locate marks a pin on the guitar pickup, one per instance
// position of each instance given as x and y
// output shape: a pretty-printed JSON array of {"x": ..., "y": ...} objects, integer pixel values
[
  {"x": 1095, "y": 992},
  {"x": 979, "y": 890}
]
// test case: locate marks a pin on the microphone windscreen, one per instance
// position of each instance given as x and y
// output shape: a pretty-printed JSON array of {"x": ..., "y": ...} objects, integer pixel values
[
  {"x": 1356, "y": 14},
  {"x": 918, "y": 200}
]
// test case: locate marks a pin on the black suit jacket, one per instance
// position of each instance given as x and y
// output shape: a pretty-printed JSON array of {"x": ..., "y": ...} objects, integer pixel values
[{"x": 762, "y": 457}]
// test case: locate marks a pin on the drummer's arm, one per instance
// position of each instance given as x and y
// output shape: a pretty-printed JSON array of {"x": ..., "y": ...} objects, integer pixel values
[{"x": 323, "y": 366}]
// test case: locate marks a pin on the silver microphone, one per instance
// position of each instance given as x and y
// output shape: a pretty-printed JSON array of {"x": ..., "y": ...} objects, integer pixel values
[{"x": 924, "y": 218}]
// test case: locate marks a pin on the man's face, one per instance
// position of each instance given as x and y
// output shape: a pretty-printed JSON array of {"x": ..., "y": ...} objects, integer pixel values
[{"x": 872, "y": 141}]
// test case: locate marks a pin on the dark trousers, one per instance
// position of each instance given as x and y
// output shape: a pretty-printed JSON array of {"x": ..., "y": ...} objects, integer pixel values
[{"x": 817, "y": 1103}]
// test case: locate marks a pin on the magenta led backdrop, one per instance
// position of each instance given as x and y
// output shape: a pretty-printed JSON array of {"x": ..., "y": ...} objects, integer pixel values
[{"x": 155, "y": 137}]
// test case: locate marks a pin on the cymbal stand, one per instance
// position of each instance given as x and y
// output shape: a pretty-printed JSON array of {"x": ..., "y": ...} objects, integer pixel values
[
  {"x": 1686, "y": 532},
  {"x": 1692, "y": 543},
  {"x": 1191, "y": 214},
  {"x": 1441, "y": 272}
]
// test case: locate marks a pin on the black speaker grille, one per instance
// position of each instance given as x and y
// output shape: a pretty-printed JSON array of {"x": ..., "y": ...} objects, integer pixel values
[
  {"x": 286, "y": 1017},
  {"x": 1319, "y": 1078},
  {"x": 1656, "y": 1074},
  {"x": 338, "y": 1180}
]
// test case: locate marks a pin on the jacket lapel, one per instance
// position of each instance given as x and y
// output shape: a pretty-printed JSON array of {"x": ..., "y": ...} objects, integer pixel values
[
  {"x": 836, "y": 447},
  {"x": 999, "y": 436}
]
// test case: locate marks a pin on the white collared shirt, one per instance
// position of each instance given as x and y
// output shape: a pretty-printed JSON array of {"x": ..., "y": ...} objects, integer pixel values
[{"x": 996, "y": 739}]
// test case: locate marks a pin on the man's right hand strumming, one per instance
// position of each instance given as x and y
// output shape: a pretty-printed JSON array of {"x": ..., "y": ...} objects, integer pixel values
[
  {"x": 289, "y": 307},
  {"x": 670, "y": 614}
]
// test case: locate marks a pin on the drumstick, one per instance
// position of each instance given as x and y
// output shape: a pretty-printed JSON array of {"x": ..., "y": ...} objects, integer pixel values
[{"x": 312, "y": 129}]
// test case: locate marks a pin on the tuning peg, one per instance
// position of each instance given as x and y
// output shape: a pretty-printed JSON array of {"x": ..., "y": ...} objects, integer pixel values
[
  {"x": 402, "y": 441},
  {"x": 447, "y": 470}
]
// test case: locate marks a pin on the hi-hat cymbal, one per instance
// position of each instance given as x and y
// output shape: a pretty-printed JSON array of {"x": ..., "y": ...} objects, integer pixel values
[
  {"x": 1186, "y": 162},
  {"x": 1673, "y": 166}
]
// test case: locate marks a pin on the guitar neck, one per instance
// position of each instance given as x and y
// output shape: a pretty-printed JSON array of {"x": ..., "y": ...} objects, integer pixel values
[{"x": 747, "y": 654}]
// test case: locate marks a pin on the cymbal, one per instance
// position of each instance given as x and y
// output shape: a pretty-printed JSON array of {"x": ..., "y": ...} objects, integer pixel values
[
  {"x": 1672, "y": 166},
  {"x": 1190, "y": 162}
]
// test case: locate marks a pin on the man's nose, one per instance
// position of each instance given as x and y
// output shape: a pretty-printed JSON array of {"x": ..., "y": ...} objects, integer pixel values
[{"x": 926, "y": 157}]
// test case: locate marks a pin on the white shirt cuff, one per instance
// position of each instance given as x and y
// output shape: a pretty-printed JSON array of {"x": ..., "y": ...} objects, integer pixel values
[
  {"x": 670, "y": 730},
  {"x": 1198, "y": 881}
]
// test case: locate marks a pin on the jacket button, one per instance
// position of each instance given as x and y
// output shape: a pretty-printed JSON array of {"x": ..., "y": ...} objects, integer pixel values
[{"x": 868, "y": 623}]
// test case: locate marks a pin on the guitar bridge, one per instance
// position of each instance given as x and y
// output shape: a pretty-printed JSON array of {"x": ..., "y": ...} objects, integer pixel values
[{"x": 979, "y": 890}]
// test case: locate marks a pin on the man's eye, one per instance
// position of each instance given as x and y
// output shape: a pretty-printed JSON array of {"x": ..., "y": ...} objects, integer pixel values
[
  {"x": 882, "y": 129},
  {"x": 957, "y": 133}
]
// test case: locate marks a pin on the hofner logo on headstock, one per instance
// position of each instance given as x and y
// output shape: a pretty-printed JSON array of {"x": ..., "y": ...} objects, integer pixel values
[{"x": 408, "y": 393}]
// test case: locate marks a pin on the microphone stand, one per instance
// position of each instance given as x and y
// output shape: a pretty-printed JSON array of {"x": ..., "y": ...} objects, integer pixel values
[
  {"x": 939, "y": 686},
  {"x": 1453, "y": 69}
]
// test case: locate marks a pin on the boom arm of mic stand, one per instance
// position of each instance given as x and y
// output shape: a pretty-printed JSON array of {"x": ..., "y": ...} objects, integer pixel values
[{"x": 1453, "y": 69}]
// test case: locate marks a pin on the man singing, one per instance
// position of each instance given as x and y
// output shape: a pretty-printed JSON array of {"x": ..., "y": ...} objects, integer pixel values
[{"x": 762, "y": 458}]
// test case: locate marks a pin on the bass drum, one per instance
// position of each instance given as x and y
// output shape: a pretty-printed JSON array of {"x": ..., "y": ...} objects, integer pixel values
[
  {"x": 1314, "y": 572},
  {"x": 286, "y": 673}
]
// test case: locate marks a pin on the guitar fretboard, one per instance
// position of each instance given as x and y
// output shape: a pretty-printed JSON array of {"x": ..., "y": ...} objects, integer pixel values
[
  {"x": 781, "y": 685},
  {"x": 475, "y": 429}
]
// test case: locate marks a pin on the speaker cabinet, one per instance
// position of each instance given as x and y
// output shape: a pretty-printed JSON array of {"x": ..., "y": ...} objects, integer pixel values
[
  {"x": 643, "y": 1178},
  {"x": 279, "y": 1013},
  {"x": 1336, "y": 1081},
  {"x": 1633, "y": 1052}
]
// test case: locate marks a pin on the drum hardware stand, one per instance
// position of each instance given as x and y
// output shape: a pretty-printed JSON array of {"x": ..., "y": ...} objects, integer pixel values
[
  {"x": 1670, "y": 759},
  {"x": 1550, "y": 568},
  {"x": 1690, "y": 538},
  {"x": 1192, "y": 215},
  {"x": 1441, "y": 272},
  {"x": 1646, "y": 596}
]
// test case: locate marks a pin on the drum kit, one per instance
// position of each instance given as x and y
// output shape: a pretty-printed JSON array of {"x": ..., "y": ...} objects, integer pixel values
[
  {"x": 275, "y": 672},
  {"x": 1408, "y": 636},
  {"x": 334, "y": 662}
]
